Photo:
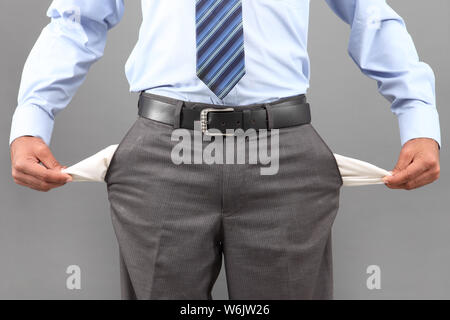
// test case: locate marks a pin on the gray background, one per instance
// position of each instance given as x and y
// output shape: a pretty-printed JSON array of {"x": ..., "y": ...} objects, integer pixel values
[{"x": 405, "y": 233}]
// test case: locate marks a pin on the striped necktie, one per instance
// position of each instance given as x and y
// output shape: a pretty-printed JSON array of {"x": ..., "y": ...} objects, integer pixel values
[{"x": 220, "y": 44}]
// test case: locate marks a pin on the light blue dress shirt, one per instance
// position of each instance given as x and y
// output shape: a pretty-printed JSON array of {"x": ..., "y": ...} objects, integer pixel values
[{"x": 276, "y": 59}]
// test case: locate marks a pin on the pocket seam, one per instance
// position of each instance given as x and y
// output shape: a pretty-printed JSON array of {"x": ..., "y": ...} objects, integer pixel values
[
  {"x": 118, "y": 149},
  {"x": 338, "y": 172}
]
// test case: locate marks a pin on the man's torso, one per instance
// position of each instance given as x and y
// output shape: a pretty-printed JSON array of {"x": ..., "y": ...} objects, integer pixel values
[{"x": 275, "y": 40}]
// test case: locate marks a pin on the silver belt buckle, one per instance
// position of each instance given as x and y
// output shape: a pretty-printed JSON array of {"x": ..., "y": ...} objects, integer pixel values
[{"x": 204, "y": 121}]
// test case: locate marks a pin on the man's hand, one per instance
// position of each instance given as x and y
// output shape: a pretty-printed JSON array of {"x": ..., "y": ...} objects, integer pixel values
[
  {"x": 418, "y": 165},
  {"x": 26, "y": 153}
]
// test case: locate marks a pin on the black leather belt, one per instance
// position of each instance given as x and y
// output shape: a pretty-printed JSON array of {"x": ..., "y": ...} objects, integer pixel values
[{"x": 286, "y": 112}]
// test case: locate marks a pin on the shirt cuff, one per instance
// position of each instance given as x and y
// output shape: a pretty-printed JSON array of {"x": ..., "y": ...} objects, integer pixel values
[
  {"x": 31, "y": 120},
  {"x": 419, "y": 122}
]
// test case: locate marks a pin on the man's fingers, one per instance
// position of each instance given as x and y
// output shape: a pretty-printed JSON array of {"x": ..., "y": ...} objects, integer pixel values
[
  {"x": 29, "y": 185},
  {"x": 34, "y": 183},
  {"x": 410, "y": 173},
  {"x": 40, "y": 172},
  {"x": 418, "y": 165},
  {"x": 425, "y": 178},
  {"x": 27, "y": 154}
]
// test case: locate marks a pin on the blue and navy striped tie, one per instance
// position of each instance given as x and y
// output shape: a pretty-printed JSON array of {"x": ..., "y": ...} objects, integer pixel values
[{"x": 220, "y": 44}]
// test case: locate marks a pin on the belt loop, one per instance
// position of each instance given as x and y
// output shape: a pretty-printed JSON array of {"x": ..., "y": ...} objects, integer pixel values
[
  {"x": 268, "y": 108},
  {"x": 140, "y": 101},
  {"x": 177, "y": 114},
  {"x": 246, "y": 119}
]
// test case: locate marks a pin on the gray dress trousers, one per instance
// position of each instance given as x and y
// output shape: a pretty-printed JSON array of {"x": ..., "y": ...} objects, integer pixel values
[{"x": 174, "y": 223}]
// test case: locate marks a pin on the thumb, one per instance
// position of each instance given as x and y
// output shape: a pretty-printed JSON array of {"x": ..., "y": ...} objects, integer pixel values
[
  {"x": 46, "y": 157},
  {"x": 404, "y": 160}
]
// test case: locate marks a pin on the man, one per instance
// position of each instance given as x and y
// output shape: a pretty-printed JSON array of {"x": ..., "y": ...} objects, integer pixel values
[{"x": 174, "y": 222}]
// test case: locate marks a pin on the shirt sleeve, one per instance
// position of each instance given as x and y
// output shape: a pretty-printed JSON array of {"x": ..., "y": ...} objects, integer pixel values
[
  {"x": 383, "y": 49},
  {"x": 59, "y": 61}
]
